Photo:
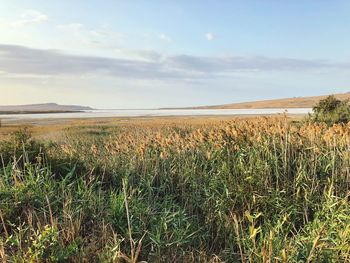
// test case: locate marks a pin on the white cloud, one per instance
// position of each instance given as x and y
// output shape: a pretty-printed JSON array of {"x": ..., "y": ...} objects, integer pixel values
[
  {"x": 102, "y": 37},
  {"x": 71, "y": 27},
  {"x": 210, "y": 36},
  {"x": 29, "y": 17},
  {"x": 165, "y": 38},
  {"x": 146, "y": 55}
]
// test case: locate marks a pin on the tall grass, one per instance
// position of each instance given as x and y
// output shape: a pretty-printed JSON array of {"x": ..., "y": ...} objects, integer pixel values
[{"x": 261, "y": 190}]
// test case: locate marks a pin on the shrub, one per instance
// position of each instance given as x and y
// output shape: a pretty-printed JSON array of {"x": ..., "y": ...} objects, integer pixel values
[{"x": 331, "y": 110}]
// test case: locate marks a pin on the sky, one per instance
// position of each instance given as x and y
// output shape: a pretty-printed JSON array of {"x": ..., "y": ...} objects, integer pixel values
[{"x": 162, "y": 53}]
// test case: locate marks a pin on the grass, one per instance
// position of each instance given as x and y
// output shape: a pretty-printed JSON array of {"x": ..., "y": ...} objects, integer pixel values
[
  {"x": 257, "y": 190},
  {"x": 296, "y": 102}
]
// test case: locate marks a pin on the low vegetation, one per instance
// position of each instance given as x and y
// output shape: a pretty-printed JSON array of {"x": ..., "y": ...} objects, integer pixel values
[{"x": 259, "y": 190}]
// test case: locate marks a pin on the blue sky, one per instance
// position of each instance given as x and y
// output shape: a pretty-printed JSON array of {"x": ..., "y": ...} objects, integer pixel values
[{"x": 145, "y": 54}]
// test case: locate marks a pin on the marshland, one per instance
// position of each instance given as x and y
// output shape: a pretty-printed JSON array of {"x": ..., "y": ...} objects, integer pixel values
[
  {"x": 259, "y": 189},
  {"x": 155, "y": 131}
]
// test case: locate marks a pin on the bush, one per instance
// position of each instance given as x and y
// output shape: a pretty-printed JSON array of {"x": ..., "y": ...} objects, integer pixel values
[{"x": 331, "y": 110}]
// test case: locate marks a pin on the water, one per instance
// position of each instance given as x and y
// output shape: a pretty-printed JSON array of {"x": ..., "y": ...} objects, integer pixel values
[{"x": 150, "y": 113}]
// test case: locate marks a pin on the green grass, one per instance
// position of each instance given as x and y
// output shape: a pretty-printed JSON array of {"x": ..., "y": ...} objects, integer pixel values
[{"x": 245, "y": 191}]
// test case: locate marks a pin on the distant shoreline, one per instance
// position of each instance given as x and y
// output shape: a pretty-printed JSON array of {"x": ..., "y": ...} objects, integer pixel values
[
  {"x": 35, "y": 112},
  {"x": 290, "y": 103}
]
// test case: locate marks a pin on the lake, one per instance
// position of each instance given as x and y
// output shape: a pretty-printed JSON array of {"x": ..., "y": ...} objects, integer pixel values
[{"x": 151, "y": 113}]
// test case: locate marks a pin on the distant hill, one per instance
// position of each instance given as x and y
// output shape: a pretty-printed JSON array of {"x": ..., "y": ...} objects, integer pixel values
[
  {"x": 299, "y": 102},
  {"x": 47, "y": 107}
]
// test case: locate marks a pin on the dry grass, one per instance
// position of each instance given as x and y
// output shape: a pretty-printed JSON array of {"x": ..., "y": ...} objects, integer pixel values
[
  {"x": 177, "y": 190},
  {"x": 300, "y": 102}
]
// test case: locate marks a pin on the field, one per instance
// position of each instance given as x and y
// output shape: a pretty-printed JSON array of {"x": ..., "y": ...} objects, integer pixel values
[
  {"x": 176, "y": 190},
  {"x": 296, "y": 102}
]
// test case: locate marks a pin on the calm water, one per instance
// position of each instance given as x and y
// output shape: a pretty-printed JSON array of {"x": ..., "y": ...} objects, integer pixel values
[{"x": 150, "y": 113}]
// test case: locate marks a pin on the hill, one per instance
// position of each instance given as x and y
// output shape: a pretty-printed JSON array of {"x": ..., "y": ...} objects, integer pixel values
[
  {"x": 46, "y": 107},
  {"x": 299, "y": 102}
]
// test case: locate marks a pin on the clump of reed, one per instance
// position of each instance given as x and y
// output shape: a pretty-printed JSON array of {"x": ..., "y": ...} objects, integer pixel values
[{"x": 258, "y": 190}]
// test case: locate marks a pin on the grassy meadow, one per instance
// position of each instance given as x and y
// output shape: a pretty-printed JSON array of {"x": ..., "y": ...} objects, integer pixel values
[{"x": 240, "y": 190}]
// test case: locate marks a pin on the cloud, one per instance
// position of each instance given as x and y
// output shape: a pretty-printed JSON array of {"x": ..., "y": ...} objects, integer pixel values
[
  {"x": 22, "y": 60},
  {"x": 29, "y": 61},
  {"x": 210, "y": 36},
  {"x": 101, "y": 37},
  {"x": 244, "y": 63},
  {"x": 71, "y": 27},
  {"x": 165, "y": 38},
  {"x": 29, "y": 17},
  {"x": 148, "y": 55}
]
